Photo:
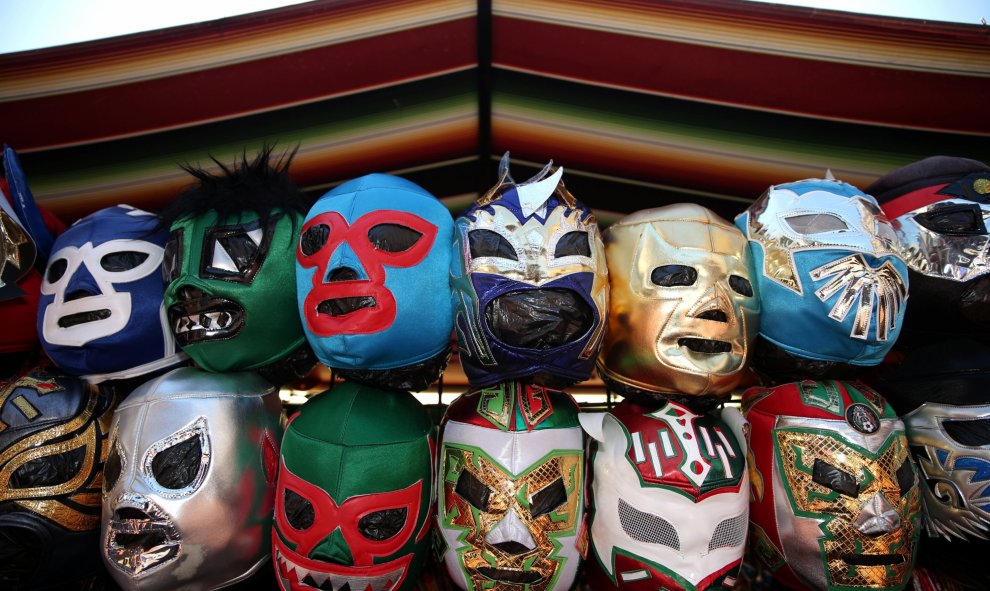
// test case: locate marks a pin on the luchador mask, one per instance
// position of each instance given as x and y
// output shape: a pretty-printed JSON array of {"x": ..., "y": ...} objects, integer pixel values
[
  {"x": 831, "y": 285},
  {"x": 669, "y": 500},
  {"x": 17, "y": 250},
  {"x": 940, "y": 210},
  {"x": 189, "y": 481},
  {"x": 53, "y": 432},
  {"x": 512, "y": 489},
  {"x": 683, "y": 308},
  {"x": 228, "y": 297},
  {"x": 229, "y": 269},
  {"x": 372, "y": 270},
  {"x": 942, "y": 392},
  {"x": 364, "y": 523},
  {"x": 101, "y": 313},
  {"x": 27, "y": 232},
  {"x": 835, "y": 496},
  {"x": 19, "y": 283},
  {"x": 530, "y": 284}
]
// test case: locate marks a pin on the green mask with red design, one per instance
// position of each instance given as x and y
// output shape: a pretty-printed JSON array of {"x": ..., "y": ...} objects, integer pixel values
[{"x": 354, "y": 491}]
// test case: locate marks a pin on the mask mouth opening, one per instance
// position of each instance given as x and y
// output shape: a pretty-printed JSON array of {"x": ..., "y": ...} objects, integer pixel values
[
  {"x": 344, "y": 306},
  {"x": 83, "y": 317},
  {"x": 295, "y": 570},
  {"x": 710, "y": 346},
  {"x": 515, "y": 577},
  {"x": 539, "y": 319},
  {"x": 873, "y": 559},
  {"x": 140, "y": 540},
  {"x": 201, "y": 318}
]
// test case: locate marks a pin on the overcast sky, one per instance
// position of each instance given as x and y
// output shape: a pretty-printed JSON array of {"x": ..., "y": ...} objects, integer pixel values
[{"x": 30, "y": 24}]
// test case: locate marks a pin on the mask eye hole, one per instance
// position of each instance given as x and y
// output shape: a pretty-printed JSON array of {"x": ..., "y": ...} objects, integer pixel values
[
  {"x": 176, "y": 466},
  {"x": 56, "y": 269},
  {"x": 730, "y": 533},
  {"x": 573, "y": 244},
  {"x": 548, "y": 498},
  {"x": 172, "y": 257},
  {"x": 117, "y": 262},
  {"x": 235, "y": 253},
  {"x": 954, "y": 219},
  {"x": 112, "y": 468},
  {"x": 741, "y": 285},
  {"x": 314, "y": 239},
  {"x": 473, "y": 490},
  {"x": 298, "y": 511},
  {"x": 905, "y": 477},
  {"x": 393, "y": 237},
  {"x": 50, "y": 470},
  {"x": 968, "y": 432},
  {"x": 816, "y": 223},
  {"x": 835, "y": 479},
  {"x": 486, "y": 243},
  {"x": 674, "y": 276},
  {"x": 647, "y": 527},
  {"x": 382, "y": 525}
]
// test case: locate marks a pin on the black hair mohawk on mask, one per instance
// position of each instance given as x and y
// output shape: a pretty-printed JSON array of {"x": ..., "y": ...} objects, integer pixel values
[{"x": 261, "y": 186}]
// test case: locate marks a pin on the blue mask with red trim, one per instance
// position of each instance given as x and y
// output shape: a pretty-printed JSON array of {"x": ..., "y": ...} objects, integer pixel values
[{"x": 372, "y": 275}]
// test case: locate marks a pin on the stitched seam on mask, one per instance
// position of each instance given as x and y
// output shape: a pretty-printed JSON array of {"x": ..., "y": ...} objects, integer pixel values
[{"x": 347, "y": 423}]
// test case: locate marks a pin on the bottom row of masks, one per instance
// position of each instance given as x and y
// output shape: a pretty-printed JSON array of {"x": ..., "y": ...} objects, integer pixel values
[{"x": 202, "y": 485}]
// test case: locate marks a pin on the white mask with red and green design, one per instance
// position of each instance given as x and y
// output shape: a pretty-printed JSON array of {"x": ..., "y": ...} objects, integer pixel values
[{"x": 669, "y": 497}]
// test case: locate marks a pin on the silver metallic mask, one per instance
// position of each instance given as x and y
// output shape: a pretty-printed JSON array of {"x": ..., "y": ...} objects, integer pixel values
[
  {"x": 952, "y": 449},
  {"x": 947, "y": 239},
  {"x": 188, "y": 487}
]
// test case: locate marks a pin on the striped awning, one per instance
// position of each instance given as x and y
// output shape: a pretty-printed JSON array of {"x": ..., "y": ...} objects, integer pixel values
[{"x": 643, "y": 102}]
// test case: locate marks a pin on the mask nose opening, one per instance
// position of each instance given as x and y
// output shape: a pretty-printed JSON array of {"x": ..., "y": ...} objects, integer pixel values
[
  {"x": 188, "y": 293},
  {"x": 342, "y": 274},
  {"x": 714, "y": 315},
  {"x": 511, "y": 535},
  {"x": 878, "y": 517},
  {"x": 79, "y": 294},
  {"x": 344, "y": 305}
]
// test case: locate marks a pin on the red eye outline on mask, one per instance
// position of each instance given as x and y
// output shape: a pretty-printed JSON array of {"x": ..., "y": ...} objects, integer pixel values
[
  {"x": 373, "y": 259},
  {"x": 328, "y": 516}
]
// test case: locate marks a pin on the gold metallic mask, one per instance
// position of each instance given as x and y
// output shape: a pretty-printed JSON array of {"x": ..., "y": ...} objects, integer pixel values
[
  {"x": 658, "y": 337},
  {"x": 508, "y": 493},
  {"x": 880, "y": 524}
]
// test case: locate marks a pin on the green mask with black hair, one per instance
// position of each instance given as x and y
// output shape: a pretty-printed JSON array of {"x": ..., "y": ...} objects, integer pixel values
[
  {"x": 230, "y": 296},
  {"x": 229, "y": 267}
]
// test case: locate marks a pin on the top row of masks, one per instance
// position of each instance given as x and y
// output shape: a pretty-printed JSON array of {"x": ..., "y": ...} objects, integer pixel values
[{"x": 373, "y": 277}]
